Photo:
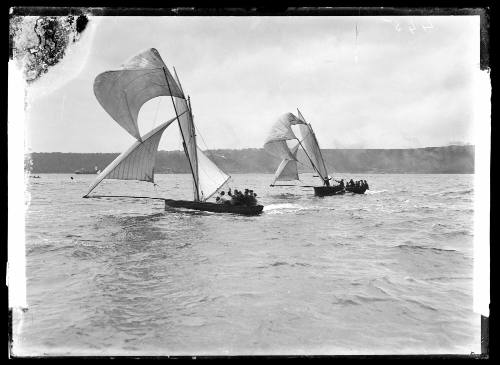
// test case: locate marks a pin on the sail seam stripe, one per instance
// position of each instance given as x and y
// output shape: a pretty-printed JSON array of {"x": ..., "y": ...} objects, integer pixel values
[{"x": 138, "y": 162}]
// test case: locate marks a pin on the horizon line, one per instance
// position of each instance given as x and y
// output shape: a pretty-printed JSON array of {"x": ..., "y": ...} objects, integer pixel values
[{"x": 261, "y": 148}]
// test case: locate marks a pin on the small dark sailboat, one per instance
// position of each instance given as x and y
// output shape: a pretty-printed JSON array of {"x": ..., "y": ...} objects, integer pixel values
[
  {"x": 278, "y": 143},
  {"x": 122, "y": 93}
]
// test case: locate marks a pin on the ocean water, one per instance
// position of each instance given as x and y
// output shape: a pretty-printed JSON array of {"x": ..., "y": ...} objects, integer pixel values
[{"x": 385, "y": 272}]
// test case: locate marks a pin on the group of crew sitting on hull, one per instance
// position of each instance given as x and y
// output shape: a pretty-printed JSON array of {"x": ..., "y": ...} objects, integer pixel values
[
  {"x": 341, "y": 183},
  {"x": 360, "y": 184},
  {"x": 248, "y": 198}
]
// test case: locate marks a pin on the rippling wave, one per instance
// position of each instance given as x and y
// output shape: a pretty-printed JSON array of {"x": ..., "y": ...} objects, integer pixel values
[{"x": 387, "y": 271}]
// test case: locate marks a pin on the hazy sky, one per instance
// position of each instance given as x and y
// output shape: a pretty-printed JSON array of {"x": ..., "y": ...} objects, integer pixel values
[{"x": 402, "y": 82}]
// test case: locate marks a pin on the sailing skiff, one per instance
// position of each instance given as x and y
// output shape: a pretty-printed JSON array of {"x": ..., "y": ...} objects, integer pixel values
[
  {"x": 122, "y": 93},
  {"x": 284, "y": 143}
]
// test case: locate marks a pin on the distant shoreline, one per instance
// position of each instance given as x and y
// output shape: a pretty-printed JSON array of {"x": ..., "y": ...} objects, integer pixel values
[{"x": 456, "y": 159}]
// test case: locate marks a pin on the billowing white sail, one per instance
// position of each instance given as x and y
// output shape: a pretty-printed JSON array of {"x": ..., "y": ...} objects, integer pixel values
[
  {"x": 123, "y": 92},
  {"x": 310, "y": 144},
  {"x": 211, "y": 178},
  {"x": 188, "y": 135},
  {"x": 287, "y": 170},
  {"x": 136, "y": 163},
  {"x": 281, "y": 131}
]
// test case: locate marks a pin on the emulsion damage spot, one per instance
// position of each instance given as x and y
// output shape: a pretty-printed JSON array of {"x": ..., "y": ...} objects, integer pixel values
[
  {"x": 81, "y": 23},
  {"x": 41, "y": 42}
]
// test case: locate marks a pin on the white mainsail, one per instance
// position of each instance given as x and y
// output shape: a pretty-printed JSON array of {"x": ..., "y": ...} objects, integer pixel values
[
  {"x": 287, "y": 170},
  {"x": 211, "y": 177},
  {"x": 123, "y": 92},
  {"x": 281, "y": 131},
  {"x": 136, "y": 163},
  {"x": 310, "y": 145}
]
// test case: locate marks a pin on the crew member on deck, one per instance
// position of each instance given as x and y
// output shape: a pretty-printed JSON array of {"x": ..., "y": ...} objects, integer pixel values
[
  {"x": 251, "y": 198},
  {"x": 235, "y": 197},
  {"x": 223, "y": 199}
]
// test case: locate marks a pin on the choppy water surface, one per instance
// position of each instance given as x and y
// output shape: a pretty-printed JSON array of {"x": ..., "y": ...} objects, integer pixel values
[{"x": 385, "y": 272}]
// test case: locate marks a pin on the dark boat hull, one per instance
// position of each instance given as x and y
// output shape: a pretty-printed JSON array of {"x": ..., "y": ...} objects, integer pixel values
[
  {"x": 328, "y": 190},
  {"x": 356, "y": 190},
  {"x": 212, "y": 207}
]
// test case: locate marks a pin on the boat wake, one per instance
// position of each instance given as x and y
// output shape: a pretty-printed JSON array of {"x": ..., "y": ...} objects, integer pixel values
[
  {"x": 284, "y": 196},
  {"x": 372, "y": 192},
  {"x": 453, "y": 193},
  {"x": 419, "y": 248},
  {"x": 281, "y": 208}
]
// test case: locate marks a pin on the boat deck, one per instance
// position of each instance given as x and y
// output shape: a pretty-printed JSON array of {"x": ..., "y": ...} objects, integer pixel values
[{"x": 213, "y": 207}]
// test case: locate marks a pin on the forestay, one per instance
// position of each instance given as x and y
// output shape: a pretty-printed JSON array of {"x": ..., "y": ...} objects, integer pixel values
[
  {"x": 311, "y": 147},
  {"x": 188, "y": 135},
  {"x": 123, "y": 92},
  {"x": 281, "y": 131},
  {"x": 287, "y": 170},
  {"x": 136, "y": 163},
  {"x": 210, "y": 177}
]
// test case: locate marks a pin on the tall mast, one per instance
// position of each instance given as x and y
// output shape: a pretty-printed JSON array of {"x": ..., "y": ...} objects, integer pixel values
[
  {"x": 182, "y": 134},
  {"x": 193, "y": 134}
]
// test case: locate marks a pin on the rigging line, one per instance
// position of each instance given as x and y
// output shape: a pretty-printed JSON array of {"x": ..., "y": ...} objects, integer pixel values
[
  {"x": 196, "y": 146},
  {"x": 122, "y": 196},
  {"x": 319, "y": 149},
  {"x": 197, "y": 133},
  {"x": 203, "y": 140},
  {"x": 311, "y": 132},
  {"x": 213, "y": 179},
  {"x": 303, "y": 164},
  {"x": 207, "y": 149},
  {"x": 217, "y": 189},
  {"x": 182, "y": 133},
  {"x": 314, "y": 167},
  {"x": 299, "y": 186}
]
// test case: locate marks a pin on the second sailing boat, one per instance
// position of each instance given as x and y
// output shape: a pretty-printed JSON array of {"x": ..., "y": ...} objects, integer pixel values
[{"x": 283, "y": 143}]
